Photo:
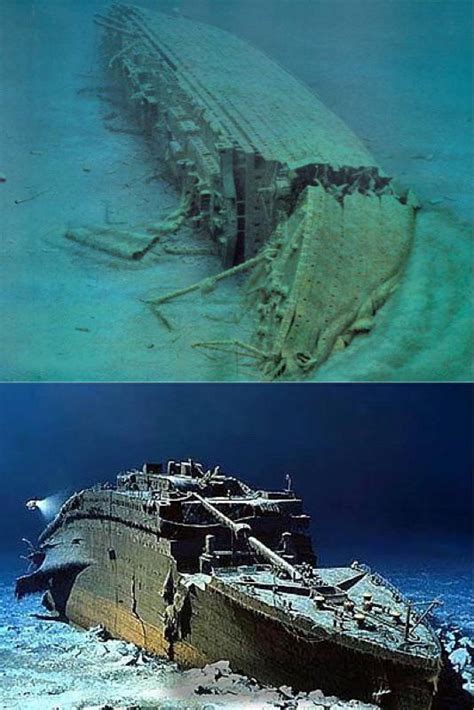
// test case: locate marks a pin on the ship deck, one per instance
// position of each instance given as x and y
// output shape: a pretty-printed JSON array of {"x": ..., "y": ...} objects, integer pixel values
[
  {"x": 253, "y": 101},
  {"x": 380, "y": 627}
]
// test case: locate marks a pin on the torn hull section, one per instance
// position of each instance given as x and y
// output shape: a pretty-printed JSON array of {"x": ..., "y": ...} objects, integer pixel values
[
  {"x": 326, "y": 272},
  {"x": 56, "y": 566},
  {"x": 131, "y": 244},
  {"x": 55, "y": 582}
]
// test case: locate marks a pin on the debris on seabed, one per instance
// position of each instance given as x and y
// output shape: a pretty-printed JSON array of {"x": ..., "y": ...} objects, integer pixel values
[
  {"x": 207, "y": 284},
  {"x": 31, "y": 197},
  {"x": 217, "y": 679},
  {"x": 460, "y": 650},
  {"x": 422, "y": 156},
  {"x": 123, "y": 129},
  {"x": 133, "y": 243},
  {"x": 161, "y": 317}
]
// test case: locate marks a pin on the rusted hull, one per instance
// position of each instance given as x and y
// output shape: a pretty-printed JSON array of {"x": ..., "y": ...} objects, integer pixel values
[
  {"x": 258, "y": 647},
  {"x": 327, "y": 271},
  {"x": 136, "y": 593}
]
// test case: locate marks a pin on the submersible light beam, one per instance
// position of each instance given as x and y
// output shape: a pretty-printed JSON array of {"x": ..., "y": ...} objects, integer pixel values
[{"x": 48, "y": 506}]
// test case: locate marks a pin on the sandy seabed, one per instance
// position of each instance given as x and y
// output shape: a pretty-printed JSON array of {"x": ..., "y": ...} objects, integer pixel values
[{"x": 397, "y": 72}]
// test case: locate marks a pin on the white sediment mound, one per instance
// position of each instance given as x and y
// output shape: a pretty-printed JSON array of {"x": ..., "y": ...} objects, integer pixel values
[
  {"x": 460, "y": 650},
  {"x": 231, "y": 690}
]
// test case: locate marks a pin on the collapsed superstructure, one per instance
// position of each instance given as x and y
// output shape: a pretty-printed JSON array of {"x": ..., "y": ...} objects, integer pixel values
[
  {"x": 198, "y": 566},
  {"x": 270, "y": 174}
]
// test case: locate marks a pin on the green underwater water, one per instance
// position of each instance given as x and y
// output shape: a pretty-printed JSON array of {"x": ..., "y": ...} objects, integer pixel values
[{"x": 398, "y": 73}]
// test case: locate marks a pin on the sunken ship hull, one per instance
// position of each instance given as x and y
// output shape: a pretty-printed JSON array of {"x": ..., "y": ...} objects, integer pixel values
[
  {"x": 270, "y": 174},
  {"x": 195, "y": 593},
  {"x": 241, "y": 137}
]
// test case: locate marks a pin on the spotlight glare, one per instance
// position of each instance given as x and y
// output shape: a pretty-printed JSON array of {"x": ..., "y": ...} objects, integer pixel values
[{"x": 48, "y": 506}]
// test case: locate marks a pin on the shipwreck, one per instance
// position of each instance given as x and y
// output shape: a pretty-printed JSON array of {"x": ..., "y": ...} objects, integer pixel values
[
  {"x": 198, "y": 566},
  {"x": 280, "y": 184}
]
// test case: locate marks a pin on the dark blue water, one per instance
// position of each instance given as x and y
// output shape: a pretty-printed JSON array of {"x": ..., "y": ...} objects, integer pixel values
[{"x": 451, "y": 584}]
